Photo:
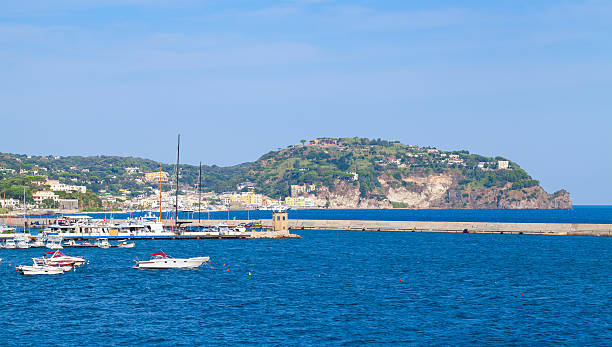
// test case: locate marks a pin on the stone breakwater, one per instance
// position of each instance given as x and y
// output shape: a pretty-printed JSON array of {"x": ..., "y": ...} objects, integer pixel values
[{"x": 446, "y": 227}]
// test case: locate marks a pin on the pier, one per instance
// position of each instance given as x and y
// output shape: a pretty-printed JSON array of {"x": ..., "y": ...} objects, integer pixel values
[
  {"x": 397, "y": 226},
  {"x": 442, "y": 227}
]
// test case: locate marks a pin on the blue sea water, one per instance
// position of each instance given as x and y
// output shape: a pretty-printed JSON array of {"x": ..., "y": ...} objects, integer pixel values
[
  {"x": 579, "y": 214},
  {"x": 374, "y": 287}
]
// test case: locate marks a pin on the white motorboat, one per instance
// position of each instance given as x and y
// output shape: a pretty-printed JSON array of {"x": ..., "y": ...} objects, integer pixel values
[
  {"x": 23, "y": 242},
  {"x": 23, "y": 245},
  {"x": 37, "y": 243},
  {"x": 54, "y": 245},
  {"x": 103, "y": 243},
  {"x": 39, "y": 268},
  {"x": 162, "y": 260},
  {"x": 10, "y": 244},
  {"x": 126, "y": 244},
  {"x": 54, "y": 242}
]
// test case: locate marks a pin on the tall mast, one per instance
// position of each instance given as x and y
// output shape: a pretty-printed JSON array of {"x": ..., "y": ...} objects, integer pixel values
[
  {"x": 160, "y": 193},
  {"x": 25, "y": 211},
  {"x": 178, "y": 151},
  {"x": 199, "y": 192}
]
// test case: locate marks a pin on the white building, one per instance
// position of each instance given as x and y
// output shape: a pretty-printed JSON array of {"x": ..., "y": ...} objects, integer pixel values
[
  {"x": 503, "y": 164},
  {"x": 132, "y": 170},
  {"x": 9, "y": 202},
  {"x": 43, "y": 195},
  {"x": 56, "y": 186}
]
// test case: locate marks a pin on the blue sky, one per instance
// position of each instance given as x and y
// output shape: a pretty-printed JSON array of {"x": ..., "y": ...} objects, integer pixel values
[{"x": 528, "y": 80}]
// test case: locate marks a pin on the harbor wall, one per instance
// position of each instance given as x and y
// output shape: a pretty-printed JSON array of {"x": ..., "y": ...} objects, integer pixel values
[{"x": 414, "y": 226}]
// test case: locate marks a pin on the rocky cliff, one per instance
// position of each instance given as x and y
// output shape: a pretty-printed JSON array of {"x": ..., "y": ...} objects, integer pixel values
[{"x": 440, "y": 191}]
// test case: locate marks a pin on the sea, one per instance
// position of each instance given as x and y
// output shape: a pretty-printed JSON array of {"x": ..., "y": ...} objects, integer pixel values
[
  {"x": 591, "y": 214},
  {"x": 329, "y": 288}
]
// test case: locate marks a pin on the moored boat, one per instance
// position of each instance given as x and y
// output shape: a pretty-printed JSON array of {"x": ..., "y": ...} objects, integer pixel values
[
  {"x": 39, "y": 268},
  {"x": 125, "y": 244},
  {"x": 54, "y": 242},
  {"x": 57, "y": 259},
  {"x": 162, "y": 260},
  {"x": 37, "y": 243},
  {"x": 23, "y": 241},
  {"x": 103, "y": 243},
  {"x": 10, "y": 244}
]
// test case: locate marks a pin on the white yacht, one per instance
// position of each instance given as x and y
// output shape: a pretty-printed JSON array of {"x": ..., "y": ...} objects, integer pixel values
[
  {"x": 37, "y": 243},
  {"x": 54, "y": 242},
  {"x": 23, "y": 241},
  {"x": 162, "y": 260},
  {"x": 10, "y": 244},
  {"x": 141, "y": 226},
  {"x": 78, "y": 226},
  {"x": 40, "y": 268},
  {"x": 103, "y": 243}
]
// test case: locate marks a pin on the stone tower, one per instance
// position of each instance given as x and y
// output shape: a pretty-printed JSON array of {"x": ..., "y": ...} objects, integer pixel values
[{"x": 279, "y": 221}]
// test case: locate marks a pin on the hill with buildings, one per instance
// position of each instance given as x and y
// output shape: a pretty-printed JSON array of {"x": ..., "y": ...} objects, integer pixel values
[
  {"x": 364, "y": 173},
  {"x": 326, "y": 172}
]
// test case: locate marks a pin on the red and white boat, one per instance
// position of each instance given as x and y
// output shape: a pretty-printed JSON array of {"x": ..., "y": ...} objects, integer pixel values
[
  {"x": 162, "y": 260},
  {"x": 57, "y": 259},
  {"x": 125, "y": 244}
]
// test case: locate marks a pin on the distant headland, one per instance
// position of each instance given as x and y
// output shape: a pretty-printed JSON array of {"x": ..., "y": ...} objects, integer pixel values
[{"x": 321, "y": 173}]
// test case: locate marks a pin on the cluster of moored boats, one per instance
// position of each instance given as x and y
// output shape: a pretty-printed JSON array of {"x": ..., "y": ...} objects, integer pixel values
[
  {"x": 57, "y": 263},
  {"x": 52, "y": 263},
  {"x": 148, "y": 226},
  {"x": 24, "y": 241}
]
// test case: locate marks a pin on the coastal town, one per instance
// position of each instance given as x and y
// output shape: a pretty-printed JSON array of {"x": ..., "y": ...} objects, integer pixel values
[{"x": 244, "y": 198}]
